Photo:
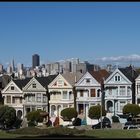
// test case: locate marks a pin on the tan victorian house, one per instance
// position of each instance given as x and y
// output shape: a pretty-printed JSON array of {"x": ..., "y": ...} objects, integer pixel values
[{"x": 61, "y": 92}]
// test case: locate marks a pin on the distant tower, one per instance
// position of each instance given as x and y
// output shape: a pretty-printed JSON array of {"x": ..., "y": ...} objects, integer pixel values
[
  {"x": 13, "y": 65},
  {"x": 35, "y": 60}
]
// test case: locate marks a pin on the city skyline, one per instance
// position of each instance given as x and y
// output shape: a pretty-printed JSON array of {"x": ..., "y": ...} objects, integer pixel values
[{"x": 90, "y": 31}]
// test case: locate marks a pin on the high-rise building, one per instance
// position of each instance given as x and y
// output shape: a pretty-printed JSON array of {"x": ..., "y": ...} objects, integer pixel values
[
  {"x": 35, "y": 60},
  {"x": 1, "y": 68}
]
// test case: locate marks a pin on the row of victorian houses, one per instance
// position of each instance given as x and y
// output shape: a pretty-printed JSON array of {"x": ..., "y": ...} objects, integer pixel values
[{"x": 56, "y": 92}]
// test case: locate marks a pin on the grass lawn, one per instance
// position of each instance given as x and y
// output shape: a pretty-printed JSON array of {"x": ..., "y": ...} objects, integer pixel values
[
  {"x": 4, "y": 134},
  {"x": 108, "y": 133},
  {"x": 118, "y": 133}
]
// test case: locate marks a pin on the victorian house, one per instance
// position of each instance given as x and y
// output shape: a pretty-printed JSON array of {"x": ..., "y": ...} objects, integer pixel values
[
  {"x": 88, "y": 91},
  {"x": 61, "y": 91},
  {"x": 13, "y": 95},
  {"x": 119, "y": 89},
  {"x": 36, "y": 94}
]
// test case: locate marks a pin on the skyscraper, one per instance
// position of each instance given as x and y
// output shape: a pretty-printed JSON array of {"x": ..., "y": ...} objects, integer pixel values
[{"x": 35, "y": 60}]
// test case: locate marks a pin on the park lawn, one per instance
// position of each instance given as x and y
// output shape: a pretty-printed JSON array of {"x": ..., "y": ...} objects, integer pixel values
[
  {"x": 105, "y": 133},
  {"x": 4, "y": 134},
  {"x": 112, "y": 133}
]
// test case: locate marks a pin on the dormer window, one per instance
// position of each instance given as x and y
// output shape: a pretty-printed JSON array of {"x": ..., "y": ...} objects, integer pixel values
[
  {"x": 12, "y": 87},
  {"x": 117, "y": 78},
  {"x": 34, "y": 85},
  {"x": 87, "y": 80}
]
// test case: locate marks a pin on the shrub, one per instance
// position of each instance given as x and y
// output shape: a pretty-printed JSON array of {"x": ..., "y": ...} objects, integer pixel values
[
  {"x": 31, "y": 124},
  {"x": 115, "y": 119},
  {"x": 34, "y": 116},
  {"x": 68, "y": 114},
  {"x": 95, "y": 112},
  {"x": 132, "y": 109}
]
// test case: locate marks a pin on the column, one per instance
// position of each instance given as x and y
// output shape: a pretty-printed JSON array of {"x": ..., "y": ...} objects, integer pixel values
[
  {"x": 126, "y": 90},
  {"x": 77, "y": 107},
  {"x": 67, "y": 94}
]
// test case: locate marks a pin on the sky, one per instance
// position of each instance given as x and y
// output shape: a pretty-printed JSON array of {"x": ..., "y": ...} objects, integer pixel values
[{"x": 91, "y": 31}]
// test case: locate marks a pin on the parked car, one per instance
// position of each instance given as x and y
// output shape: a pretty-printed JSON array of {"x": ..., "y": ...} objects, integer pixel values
[
  {"x": 104, "y": 125},
  {"x": 131, "y": 127}
]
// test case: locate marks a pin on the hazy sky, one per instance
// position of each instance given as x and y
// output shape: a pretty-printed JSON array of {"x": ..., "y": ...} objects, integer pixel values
[{"x": 61, "y": 30}]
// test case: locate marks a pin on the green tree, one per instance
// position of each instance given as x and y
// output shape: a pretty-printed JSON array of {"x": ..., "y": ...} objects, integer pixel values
[
  {"x": 69, "y": 113},
  {"x": 95, "y": 112},
  {"x": 7, "y": 116},
  {"x": 132, "y": 109}
]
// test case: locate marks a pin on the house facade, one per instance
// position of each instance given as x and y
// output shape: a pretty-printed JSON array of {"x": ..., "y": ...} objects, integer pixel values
[
  {"x": 61, "y": 93},
  {"x": 88, "y": 92},
  {"x": 119, "y": 90},
  {"x": 13, "y": 95},
  {"x": 36, "y": 94}
]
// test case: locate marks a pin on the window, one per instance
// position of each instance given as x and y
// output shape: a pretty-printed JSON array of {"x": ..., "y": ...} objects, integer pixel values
[
  {"x": 70, "y": 95},
  {"x": 81, "y": 94},
  {"x": 138, "y": 86},
  {"x": 13, "y": 100},
  {"x": 65, "y": 105},
  {"x": 12, "y": 87},
  {"x": 138, "y": 101},
  {"x": 44, "y": 99},
  {"x": 128, "y": 91},
  {"x": 122, "y": 90},
  {"x": 92, "y": 93},
  {"x": 64, "y": 94},
  {"x": 98, "y": 93},
  {"x": 29, "y": 98},
  {"x": 33, "y": 85},
  {"x": 8, "y": 99},
  {"x": 110, "y": 91},
  {"x": 117, "y": 78},
  {"x": 87, "y": 80},
  {"x": 20, "y": 99},
  {"x": 38, "y": 97}
]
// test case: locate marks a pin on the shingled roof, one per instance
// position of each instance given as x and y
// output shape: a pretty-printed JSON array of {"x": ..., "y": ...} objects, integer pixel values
[
  {"x": 21, "y": 83},
  {"x": 100, "y": 75},
  {"x": 44, "y": 81},
  {"x": 72, "y": 78},
  {"x": 129, "y": 72}
]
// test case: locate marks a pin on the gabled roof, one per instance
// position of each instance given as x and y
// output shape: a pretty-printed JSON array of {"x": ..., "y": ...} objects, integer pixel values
[
  {"x": 72, "y": 78},
  {"x": 129, "y": 72},
  {"x": 21, "y": 83},
  {"x": 100, "y": 75},
  {"x": 45, "y": 81}
]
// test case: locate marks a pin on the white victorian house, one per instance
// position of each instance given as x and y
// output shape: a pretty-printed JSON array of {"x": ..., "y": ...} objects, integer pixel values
[
  {"x": 61, "y": 93},
  {"x": 119, "y": 90},
  {"x": 88, "y": 92},
  {"x": 13, "y": 95},
  {"x": 36, "y": 94}
]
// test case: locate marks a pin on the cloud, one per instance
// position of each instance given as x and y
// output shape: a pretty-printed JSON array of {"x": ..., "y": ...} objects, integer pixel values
[{"x": 132, "y": 58}]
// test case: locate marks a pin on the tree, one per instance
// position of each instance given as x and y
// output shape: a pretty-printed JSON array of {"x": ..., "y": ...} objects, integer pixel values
[
  {"x": 69, "y": 113},
  {"x": 7, "y": 116},
  {"x": 95, "y": 112},
  {"x": 132, "y": 109}
]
